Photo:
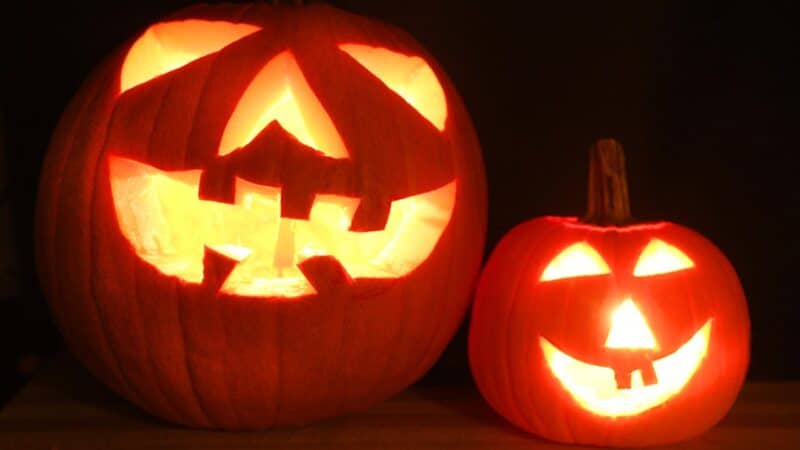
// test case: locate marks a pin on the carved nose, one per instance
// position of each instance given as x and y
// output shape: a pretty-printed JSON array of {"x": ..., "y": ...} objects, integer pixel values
[
  {"x": 629, "y": 329},
  {"x": 631, "y": 344}
]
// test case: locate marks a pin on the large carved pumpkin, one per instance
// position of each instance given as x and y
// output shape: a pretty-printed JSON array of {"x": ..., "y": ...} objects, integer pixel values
[
  {"x": 255, "y": 215},
  {"x": 607, "y": 332}
]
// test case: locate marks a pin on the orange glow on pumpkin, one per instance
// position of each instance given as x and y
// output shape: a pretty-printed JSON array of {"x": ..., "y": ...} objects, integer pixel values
[
  {"x": 595, "y": 388},
  {"x": 659, "y": 257},
  {"x": 577, "y": 260},
  {"x": 251, "y": 188},
  {"x": 652, "y": 353},
  {"x": 409, "y": 76},
  {"x": 167, "y": 46},
  {"x": 279, "y": 92},
  {"x": 168, "y": 225}
]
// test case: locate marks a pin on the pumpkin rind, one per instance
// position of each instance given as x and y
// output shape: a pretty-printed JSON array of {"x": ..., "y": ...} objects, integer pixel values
[
  {"x": 527, "y": 304},
  {"x": 203, "y": 358},
  {"x": 513, "y": 308}
]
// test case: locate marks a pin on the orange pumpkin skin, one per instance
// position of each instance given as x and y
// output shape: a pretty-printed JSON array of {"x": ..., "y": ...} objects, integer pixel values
[
  {"x": 189, "y": 352},
  {"x": 514, "y": 308}
]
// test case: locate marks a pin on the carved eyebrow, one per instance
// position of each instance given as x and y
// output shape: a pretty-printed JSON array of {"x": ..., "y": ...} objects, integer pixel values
[
  {"x": 577, "y": 260},
  {"x": 410, "y": 77},
  {"x": 659, "y": 257},
  {"x": 167, "y": 46}
]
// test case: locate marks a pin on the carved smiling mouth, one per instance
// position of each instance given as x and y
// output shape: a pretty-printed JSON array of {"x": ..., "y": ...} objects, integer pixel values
[
  {"x": 169, "y": 227},
  {"x": 595, "y": 388}
]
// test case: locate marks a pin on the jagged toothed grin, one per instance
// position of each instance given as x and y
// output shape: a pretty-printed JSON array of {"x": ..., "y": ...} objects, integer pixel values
[
  {"x": 170, "y": 228},
  {"x": 596, "y": 388}
]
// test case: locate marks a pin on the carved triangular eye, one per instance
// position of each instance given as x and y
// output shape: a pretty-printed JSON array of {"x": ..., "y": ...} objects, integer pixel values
[
  {"x": 408, "y": 76},
  {"x": 280, "y": 92},
  {"x": 167, "y": 46},
  {"x": 577, "y": 260},
  {"x": 659, "y": 257}
]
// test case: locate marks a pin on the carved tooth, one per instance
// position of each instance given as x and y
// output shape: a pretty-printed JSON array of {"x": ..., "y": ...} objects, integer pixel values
[
  {"x": 623, "y": 376},
  {"x": 216, "y": 268},
  {"x": 623, "y": 379},
  {"x": 625, "y": 361},
  {"x": 296, "y": 202},
  {"x": 649, "y": 376},
  {"x": 325, "y": 273},
  {"x": 372, "y": 213},
  {"x": 218, "y": 183}
]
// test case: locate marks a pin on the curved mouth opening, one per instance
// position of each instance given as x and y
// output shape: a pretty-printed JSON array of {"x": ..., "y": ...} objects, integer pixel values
[
  {"x": 169, "y": 227},
  {"x": 595, "y": 388}
]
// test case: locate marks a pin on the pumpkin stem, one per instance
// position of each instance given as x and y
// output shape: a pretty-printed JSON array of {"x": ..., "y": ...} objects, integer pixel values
[{"x": 607, "y": 199}]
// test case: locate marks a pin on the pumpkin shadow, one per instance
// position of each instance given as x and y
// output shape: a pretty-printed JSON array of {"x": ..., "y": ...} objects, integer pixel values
[
  {"x": 465, "y": 401},
  {"x": 64, "y": 378}
]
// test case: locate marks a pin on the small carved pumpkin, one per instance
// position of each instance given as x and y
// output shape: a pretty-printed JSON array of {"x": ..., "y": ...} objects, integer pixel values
[
  {"x": 606, "y": 332},
  {"x": 256, "y": 215}
]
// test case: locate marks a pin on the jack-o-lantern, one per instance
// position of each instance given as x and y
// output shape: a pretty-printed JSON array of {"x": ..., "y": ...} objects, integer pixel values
[
  {"x": 258, "y": 215},
  {"x": 607, "y": 332}
]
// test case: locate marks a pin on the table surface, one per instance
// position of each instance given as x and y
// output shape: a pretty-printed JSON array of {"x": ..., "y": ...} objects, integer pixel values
[{"x": 63, "y": 407}]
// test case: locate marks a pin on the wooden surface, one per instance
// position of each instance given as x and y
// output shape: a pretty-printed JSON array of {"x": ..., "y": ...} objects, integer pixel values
[{"x": 64, "y": 408}]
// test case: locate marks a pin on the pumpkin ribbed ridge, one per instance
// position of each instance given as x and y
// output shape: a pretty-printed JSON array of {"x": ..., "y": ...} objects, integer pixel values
[{"x": 220, "y": 359}]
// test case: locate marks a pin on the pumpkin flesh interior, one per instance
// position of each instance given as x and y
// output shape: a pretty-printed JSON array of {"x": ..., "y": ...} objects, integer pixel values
[{"x": 168, "y": 225}]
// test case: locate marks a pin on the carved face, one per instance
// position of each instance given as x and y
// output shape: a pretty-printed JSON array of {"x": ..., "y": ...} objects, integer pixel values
[
  {"x": 623, "y": 336},
  {"x": 254, "y": 215},
  {"x": 282, "y": 186},
  {"x": 631, "y": 380}
]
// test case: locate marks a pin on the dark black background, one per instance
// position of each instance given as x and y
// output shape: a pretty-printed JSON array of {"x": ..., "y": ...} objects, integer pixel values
[{"x": 700, "y": 96}]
